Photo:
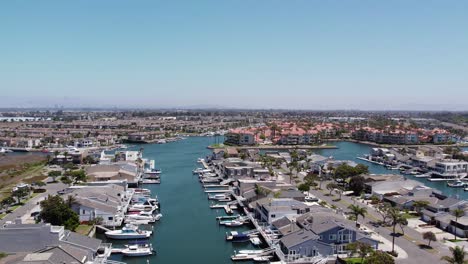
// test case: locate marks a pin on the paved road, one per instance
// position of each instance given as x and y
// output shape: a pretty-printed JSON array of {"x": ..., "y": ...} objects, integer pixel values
[
  {"x": 409, "y": 242},
  {"x": 26, "y": 209}
]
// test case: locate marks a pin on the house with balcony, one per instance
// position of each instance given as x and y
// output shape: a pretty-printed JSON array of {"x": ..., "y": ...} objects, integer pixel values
[
  {"x": 450, "y": 169},
  {"x": 270, "y": 209},
  {"x": 240, "y": 137},
  {"x": 109, "y": 202},
  {"x": 322, "y": 233}
]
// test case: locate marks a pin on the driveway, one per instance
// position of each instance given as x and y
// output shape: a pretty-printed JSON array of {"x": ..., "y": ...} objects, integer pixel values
[
  {"x": 409, "y": 241},
  {"x": 27, "y": 208}
]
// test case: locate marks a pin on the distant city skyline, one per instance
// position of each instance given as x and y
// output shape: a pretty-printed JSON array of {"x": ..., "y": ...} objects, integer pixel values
[{"x": 305, "y": 55}]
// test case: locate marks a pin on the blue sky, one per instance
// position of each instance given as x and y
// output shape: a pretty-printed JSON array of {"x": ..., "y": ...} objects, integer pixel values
[{"x": 245, "y": 54}]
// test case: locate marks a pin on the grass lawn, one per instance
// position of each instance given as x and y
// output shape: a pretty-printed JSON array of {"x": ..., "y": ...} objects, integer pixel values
[
  {"x": 15, "y": 207},
  {"x": 84, "y": 229},
  {"x": 217, "y": 146},
  {"x": 455, "y": 240},
  {"x": 409, "y": 216},
  {"x": 2, "y": 215},
  {"x": 354, "y": 261}
]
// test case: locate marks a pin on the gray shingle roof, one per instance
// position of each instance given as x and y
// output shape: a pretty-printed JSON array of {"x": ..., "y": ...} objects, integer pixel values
[{"x": 298, "y": 237}]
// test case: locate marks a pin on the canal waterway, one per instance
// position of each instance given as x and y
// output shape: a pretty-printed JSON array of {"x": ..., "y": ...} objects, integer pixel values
[{"x": 188, "y": 231}]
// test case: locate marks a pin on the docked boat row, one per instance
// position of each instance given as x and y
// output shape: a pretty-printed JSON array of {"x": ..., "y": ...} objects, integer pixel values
[
  {"x": 219, "y": 193},
  {"x": 142, "y": 212},
  {"x": 454, "y": 179}
]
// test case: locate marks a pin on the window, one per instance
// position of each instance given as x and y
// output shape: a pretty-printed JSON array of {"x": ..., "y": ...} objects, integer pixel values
[
  {"x": 273, "y": 216},
  {"x": 84, "y": 211},
  {"x": 111, "y": 218},
  {"x": 332, "y": 237},
  {"x": 320, "y": 237}
]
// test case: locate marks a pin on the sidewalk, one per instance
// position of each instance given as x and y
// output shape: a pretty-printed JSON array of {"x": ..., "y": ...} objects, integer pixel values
[
  {"x": 26, "y": 209},
  {"x": 409, "y": 241}
]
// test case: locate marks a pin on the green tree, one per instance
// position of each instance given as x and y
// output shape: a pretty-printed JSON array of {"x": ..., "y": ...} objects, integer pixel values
[
  {"x": 55, "y": 211},
  {"x": 360, "y": 248},
  {"x": 380, "y": 257},
  {"x": 458, "y": 256},
  {"x": 303, "y": 187},
  {"x": 429, "y": 236},
  {"x": 356, "y": 184},
  {"x": 20, "y": 193},
  {"x": 457, "y": 213},
  {"x": 331, "y": 186},
  {"x": 54, "y": 174},
  {"x": 7, "y": 202},
  {"x": 357, "y": 211}
]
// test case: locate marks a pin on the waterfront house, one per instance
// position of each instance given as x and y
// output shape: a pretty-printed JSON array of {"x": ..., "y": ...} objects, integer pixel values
[
  {"x": 108, "y": 202},
  {"x": 44, "y": 243},
  {"x": 237, "y": 168},
  {"x": 121, "y": 171},
  {"x": 322, "y": 232},
  {"x": 247, "y": 188},
  {"x": 269, "y": 209},
  {"x": 450, "y": 168},
  {"x": 385, "y": 185}
]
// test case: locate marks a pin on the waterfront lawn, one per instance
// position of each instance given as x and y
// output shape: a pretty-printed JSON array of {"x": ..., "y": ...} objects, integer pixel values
[
  {"x": 83, "y": 229},
  {"x": 218, "y": 146},
  {"x": 354, "y": 261}
]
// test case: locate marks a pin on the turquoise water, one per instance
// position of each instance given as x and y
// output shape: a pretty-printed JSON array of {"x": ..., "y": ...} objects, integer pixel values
[{"x": 188, "y": 231}]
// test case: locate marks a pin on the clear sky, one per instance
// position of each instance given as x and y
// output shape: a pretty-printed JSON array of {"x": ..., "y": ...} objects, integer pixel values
[{"x": 308, "y": 54}]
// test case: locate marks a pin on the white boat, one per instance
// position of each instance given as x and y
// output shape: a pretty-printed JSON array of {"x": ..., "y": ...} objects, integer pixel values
[
  {"x": 456, "y": 184},
  {"x": 262, "y": 258},
  {"x": 128, "y": 232},
  {"x": 200, "y": 160},
  {"x": 3, "y": 150},
  {"x": 142, "y": 207},
  {"x": 251, "y": 252},
  {"x": 152, "y": 171},
  {"x": 138, "y": 250},
  {"x": 233, "y": 223},
  {"x": 255, "y": 241},
  {"x": 241, "y": 256},
  {"x": 144, "y": 217},
  {"x": 201, "y": 170},
  {"x": 222, "y": 196},
  {"x": 150, "y": 181}
]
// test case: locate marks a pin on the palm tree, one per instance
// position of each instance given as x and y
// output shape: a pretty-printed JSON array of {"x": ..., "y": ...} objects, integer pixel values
[
  {"x": 420, "y": 204},
  {"x": 395, "y": 219},
  {"x": 70, "y": 201},
  {"x": 357, "y": 211},
  {"x": 457, "y": 213},
  {"x": 458, "y": 256}
]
